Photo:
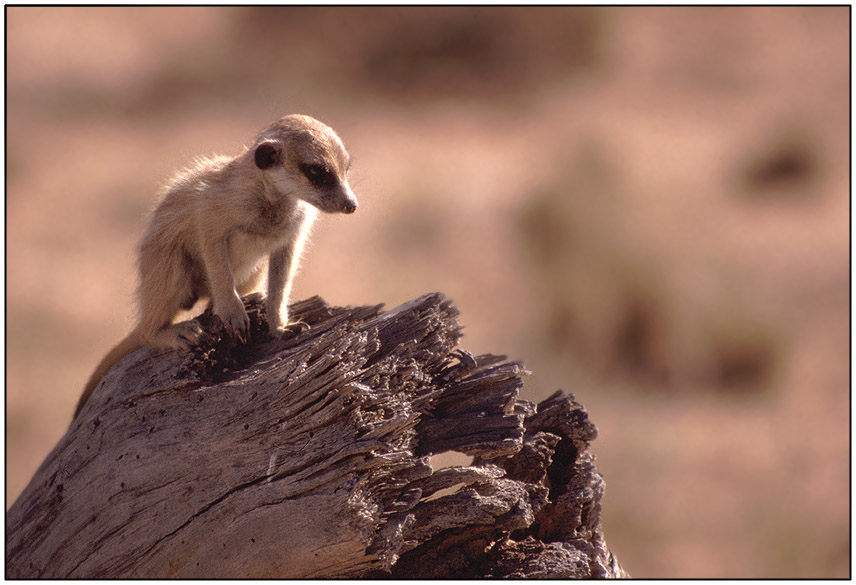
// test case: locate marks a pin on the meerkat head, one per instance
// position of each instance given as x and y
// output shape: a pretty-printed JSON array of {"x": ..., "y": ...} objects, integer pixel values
[{"x": 303, "y": 158}]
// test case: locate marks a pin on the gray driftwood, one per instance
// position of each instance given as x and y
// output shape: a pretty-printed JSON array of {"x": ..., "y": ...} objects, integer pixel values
[{"x": 309, "y": 457}]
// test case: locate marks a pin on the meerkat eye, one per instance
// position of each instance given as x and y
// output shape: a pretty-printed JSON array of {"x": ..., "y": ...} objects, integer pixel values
[{"x": 319, "y": 175}]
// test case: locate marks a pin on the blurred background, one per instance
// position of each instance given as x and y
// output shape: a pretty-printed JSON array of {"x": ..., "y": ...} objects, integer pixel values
[{"x": 649, "y": 206}]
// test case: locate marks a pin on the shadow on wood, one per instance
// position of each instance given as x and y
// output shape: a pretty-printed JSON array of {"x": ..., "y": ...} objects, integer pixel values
[{"x": 309, "y": 457}]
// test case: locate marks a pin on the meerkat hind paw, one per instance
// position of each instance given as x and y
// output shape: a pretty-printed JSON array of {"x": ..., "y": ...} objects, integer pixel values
[{"x": 182, "y": 336}]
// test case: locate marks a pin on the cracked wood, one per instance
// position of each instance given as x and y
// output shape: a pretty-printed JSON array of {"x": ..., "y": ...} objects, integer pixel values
[{"x": 310, "y": 457}]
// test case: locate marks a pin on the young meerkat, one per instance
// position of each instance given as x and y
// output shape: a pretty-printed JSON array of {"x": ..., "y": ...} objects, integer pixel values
[{"x": 217, "y": 222}]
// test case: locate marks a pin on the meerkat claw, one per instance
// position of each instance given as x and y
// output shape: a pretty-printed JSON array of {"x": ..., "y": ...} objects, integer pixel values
[{"x": 294, "y": 328}]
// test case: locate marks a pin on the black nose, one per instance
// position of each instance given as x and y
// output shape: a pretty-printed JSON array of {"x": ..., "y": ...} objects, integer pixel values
[{"x": 349, "y": 207}]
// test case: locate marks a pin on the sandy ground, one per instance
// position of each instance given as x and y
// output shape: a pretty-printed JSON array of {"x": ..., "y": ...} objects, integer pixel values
[{"x": 648, "y": 206}]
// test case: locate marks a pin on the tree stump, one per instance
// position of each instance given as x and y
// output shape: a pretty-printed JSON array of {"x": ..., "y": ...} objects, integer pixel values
[{"x": 309, "y": 456}]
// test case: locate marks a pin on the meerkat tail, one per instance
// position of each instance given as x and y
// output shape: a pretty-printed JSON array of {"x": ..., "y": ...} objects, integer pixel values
[{"x": 123, "y": 348}]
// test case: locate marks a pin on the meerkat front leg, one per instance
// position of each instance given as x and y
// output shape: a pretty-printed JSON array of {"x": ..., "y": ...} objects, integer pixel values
[
  {"x": 224, "y": 298},
  {"x": 282, "y": 265},
  {"x": 278, "y": 268}
]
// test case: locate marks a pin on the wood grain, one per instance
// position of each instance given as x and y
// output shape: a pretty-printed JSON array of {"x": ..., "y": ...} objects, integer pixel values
[{"x": 309, "y": 457}]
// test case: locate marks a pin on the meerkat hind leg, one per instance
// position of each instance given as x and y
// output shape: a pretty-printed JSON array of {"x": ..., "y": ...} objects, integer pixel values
[{"x": 156, "y": 327}]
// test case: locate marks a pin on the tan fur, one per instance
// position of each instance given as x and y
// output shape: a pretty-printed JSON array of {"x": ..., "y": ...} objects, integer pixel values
[{"x": 217, "y": 223}]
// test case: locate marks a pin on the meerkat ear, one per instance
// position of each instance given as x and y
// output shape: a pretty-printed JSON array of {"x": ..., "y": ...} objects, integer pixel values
[{"x": 268, "y": 154}]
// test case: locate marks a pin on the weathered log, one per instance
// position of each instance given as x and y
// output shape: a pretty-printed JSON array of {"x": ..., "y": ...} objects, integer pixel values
[{"x": 310, "y": 457}]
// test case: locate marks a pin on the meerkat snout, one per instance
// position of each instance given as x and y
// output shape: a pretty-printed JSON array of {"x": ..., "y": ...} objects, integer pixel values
[{"x": 347, "y": 200}]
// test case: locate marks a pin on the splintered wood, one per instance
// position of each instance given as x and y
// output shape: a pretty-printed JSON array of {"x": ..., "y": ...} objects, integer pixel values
[{"x": 309, "y": 456}]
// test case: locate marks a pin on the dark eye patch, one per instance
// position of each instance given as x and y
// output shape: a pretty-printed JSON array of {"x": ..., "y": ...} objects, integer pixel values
[{"x": 319, "y": 175}]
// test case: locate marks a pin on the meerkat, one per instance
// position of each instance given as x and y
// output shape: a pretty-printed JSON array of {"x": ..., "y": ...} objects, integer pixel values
[{"x": 217, "y": 222}]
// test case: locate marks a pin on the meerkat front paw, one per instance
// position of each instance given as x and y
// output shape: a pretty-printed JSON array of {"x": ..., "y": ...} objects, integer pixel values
[
  {"x": 293, "y": 329},
  {"x": 277, "y": 329},
  {"x": 235, "y": 318}
]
